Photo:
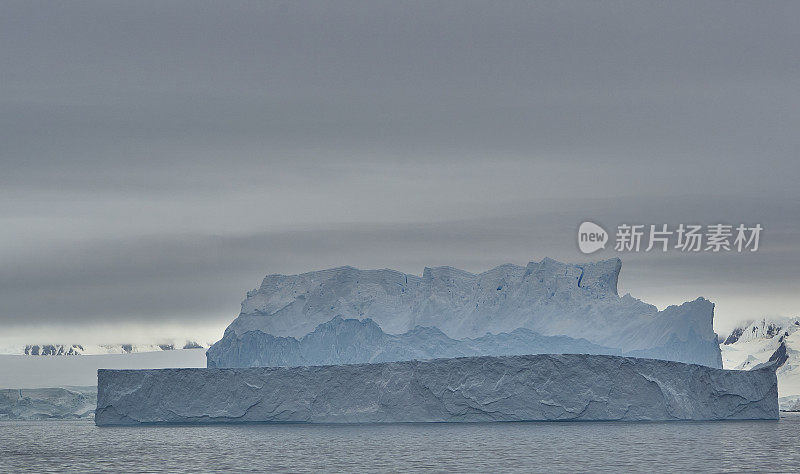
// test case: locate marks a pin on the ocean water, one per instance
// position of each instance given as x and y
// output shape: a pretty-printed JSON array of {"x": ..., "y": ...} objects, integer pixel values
[{"x": 61, "y": 446}]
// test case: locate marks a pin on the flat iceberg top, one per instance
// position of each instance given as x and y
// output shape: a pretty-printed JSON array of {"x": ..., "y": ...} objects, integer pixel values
[{"x": 470, "y": 389}]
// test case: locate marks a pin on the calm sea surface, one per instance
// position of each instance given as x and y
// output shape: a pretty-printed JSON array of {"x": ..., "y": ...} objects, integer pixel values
[{"x": 58, "y": 446}]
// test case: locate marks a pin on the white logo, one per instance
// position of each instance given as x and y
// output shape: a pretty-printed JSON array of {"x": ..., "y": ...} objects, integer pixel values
[
  {"x": 591, "y": 237},
  {"x": 664, "y": 237}
]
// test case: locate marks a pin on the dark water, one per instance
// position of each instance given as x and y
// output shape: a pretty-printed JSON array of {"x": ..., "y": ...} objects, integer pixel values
[{"x": 771, "y": 446}]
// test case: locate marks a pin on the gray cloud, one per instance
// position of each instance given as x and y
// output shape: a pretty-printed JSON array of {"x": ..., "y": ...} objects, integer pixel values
[
  {"x": 201, "y": 278},
  {"x": 158, "y": 159}
]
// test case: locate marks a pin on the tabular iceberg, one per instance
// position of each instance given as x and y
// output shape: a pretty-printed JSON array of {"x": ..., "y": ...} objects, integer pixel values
[
  {"x": 471, "y": 389},
  {"x": 47, "y": 403},
  {"x": 547, "y": 298}
]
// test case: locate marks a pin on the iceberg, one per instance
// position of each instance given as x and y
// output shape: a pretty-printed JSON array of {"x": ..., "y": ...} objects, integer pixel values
[
  {"x": 47, "y": 403},
  {"x": 577, "y": 302},
  {"x": 470, "y": 389},
  {"x": 353, "y": 341}
]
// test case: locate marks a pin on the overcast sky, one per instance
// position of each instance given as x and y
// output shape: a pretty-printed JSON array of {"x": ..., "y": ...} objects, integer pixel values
[{"x": 157, "y": 159}]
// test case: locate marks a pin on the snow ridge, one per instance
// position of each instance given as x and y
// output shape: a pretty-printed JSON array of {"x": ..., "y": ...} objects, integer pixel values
[
  {"x": 767, "y": 340},
  {"x": 97, "y": 349}
]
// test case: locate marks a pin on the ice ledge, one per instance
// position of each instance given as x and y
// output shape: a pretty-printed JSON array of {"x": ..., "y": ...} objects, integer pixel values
[{"x": 471, "y": 389}]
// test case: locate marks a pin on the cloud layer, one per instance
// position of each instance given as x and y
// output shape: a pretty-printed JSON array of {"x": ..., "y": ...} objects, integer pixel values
[{"x": 158, "y": 159}]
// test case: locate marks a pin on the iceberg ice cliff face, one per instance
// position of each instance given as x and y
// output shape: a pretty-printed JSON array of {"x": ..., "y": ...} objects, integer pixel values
[
  {"x": 473, "y": 389},
  {"x": 350, "y": 341},
  {"x": 47, "y": 403},
  {"x": 546, "y": 298}
]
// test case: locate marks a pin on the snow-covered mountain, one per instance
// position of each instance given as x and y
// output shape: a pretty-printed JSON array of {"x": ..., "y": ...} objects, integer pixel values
[
  {"x": 765, "y": 340},
  {"x": 97, "y": 349},
  {"x": 547, "y": 298},
  {"x": 21, "y": 371},
  {"x": 790, "y": 403}
]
